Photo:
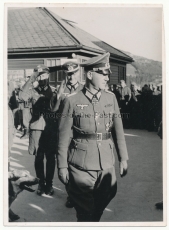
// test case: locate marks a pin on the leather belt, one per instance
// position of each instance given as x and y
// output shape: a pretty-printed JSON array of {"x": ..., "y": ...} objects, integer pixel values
[{"x": 93, "y": 136}]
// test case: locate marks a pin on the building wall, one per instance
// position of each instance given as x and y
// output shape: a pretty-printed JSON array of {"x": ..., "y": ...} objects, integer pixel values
[{"x": 20, "y": 68}]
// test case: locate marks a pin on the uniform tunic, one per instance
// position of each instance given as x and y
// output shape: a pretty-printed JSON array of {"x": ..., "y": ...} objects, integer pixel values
[
  {"x": 41, "y": 142},
  {"x": 92, "y": 179},
  {"x": 55, "y": 102}
]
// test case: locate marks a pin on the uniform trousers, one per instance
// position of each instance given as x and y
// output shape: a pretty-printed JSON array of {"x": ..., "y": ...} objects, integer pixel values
[
  {"x": 42, "y": 145},
  {"x": 91, "y": 192}
]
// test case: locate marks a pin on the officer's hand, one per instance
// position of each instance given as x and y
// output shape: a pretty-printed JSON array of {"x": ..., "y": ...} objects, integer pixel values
[
  {"x": 35, "y": 84},
  {"x": 63, "y": 175},
  {"x": 61, "y": 89},
  {"x": 123, "y": 168}
]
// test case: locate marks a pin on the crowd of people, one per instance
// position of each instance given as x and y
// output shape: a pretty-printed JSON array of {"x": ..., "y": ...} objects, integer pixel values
[
  {"x": 72, "y": 125},
  {"x": 140, "y": 108}
]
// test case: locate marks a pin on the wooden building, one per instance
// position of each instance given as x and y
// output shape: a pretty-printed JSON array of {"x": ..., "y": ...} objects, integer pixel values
[{"x": 38, "y": 36}]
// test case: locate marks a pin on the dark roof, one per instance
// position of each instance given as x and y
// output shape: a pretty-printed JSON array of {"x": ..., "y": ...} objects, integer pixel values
[{"x": 33, "y": 28}]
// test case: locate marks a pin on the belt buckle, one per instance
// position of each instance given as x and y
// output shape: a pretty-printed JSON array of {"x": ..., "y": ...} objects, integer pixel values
[{"x": 99, "y": 136}]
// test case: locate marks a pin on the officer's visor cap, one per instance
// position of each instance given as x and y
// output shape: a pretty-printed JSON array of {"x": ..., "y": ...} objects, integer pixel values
[{"x": 104, "y": 71}]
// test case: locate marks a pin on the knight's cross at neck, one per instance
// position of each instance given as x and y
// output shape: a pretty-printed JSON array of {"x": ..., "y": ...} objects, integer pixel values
[{"x": 94, "y": 98}]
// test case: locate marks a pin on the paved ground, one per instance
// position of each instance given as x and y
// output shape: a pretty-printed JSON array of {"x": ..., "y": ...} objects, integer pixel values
[{"x": 136, "y": 196}]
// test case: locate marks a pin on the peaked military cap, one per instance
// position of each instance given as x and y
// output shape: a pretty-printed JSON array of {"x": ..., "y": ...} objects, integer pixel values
[
  {"x": 41, "y": 69},
  {"x": 98, "y": 64},
  {"x": 71, "y": 65}
]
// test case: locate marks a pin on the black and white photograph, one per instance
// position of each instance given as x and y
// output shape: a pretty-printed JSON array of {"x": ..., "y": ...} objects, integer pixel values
[{"x": 84, "y": 115}]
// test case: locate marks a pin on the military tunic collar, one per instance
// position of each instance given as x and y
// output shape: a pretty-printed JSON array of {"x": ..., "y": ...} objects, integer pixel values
[
  {"x": 69, "y": 86},
  {"x": 43, "y": 88},
  {"x": 90, "y": 95}
]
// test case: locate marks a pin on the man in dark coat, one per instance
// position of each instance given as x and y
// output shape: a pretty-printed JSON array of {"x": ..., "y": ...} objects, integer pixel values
[
  {"x": 41, "y": 142},
  {"x": 85, "y": 147}
]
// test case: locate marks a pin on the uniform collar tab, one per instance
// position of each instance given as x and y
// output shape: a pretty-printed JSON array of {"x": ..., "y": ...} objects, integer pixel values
[
  {"x": 69, "y": 86},
  {"x": 90, "y": 95},
  {"x": 43, "y": 88}
]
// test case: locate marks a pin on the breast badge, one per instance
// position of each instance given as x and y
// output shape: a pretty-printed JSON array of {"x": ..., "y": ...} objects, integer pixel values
[{"x": 82, "y": 106}]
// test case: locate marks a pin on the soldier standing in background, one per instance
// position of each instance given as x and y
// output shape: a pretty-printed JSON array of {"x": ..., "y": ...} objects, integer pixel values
[
  {"x": 125, "y": 96},
  {"x": 85, "y": 148},
  {"x": 115, "y": 90},
  {"x": 41, "y": 142}
]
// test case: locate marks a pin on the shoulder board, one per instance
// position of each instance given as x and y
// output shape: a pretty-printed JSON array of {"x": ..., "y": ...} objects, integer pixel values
[
  {"x": 107, "y": 91},
  {"x": 71, "y": 94}
]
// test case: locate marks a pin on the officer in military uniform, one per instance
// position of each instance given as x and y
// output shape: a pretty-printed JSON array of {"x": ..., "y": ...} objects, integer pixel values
[
  {"x": 86, "y": 162},
  {"x": 71, "y": 85},
  {"x": 71, "y": 68},
  {"x": 41, "y": 143}
]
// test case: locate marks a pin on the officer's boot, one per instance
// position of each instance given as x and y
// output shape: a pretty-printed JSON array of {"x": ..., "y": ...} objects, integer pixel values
[
  {"x": 25, "y": 134},
  {"x": 96, "y": 216},
  {"x": 84, "y": 217},
  {"x": 49, "y": 190},
  {"x": 69, "y": 203},
  {"x": 41, "y": 189}
]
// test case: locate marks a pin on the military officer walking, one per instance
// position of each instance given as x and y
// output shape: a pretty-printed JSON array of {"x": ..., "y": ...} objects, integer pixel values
[
  {"x": 41, "y": 142},
  {"x": 71, "y": 85},
  {"x": 85, "y": 146}
]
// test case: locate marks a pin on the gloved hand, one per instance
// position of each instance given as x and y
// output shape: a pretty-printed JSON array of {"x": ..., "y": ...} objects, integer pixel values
[
  {"x": 123, "y": 168},
  {"x": 61, "y": 89},
  {"x": 63, "y": 175}
]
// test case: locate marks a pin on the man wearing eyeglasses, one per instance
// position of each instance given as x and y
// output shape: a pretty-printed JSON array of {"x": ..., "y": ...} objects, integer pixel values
[{"x": 85, "y": 157}]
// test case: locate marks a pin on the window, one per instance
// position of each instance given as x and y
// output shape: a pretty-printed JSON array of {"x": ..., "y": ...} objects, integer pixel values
[
  {"x": 52, "y": 77},
  {"x": 60, "y": 75},
  {"x": 83, "y": 76},
  {"x": 122, "y": 73},
  {"x": 51, "y": 62},
  {"x": 82, "y": 72},
  {"x": 56, "y": 76}
]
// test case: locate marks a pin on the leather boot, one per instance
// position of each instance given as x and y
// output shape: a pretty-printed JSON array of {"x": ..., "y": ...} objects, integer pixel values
[
  {"x": 49, "y": 190},
  {"x": 41, "y": 189},
  {"x": 69, "y": 203}
]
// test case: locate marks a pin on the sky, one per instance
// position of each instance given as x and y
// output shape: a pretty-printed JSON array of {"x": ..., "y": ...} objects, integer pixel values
[{"x": 137, "y": 30}]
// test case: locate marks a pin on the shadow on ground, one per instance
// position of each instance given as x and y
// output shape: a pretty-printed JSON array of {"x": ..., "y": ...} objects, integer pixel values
[{"x": 136, "y": 196}]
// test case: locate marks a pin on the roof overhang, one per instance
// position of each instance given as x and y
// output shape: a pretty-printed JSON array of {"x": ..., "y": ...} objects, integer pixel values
[{"x": 65, "y": 49}]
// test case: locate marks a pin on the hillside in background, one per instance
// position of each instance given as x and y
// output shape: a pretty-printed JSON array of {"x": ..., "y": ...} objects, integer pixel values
[{"x": 144, "y": 70}]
